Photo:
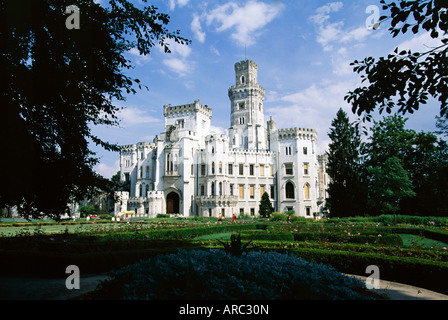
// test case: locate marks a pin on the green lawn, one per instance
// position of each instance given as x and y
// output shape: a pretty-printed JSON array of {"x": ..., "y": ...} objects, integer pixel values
[{"x": 410, "y": 240}]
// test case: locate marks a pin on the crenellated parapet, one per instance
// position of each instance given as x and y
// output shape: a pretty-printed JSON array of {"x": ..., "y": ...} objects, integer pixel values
[
  {"x": 187, "y": 109},
  {"x": 297, "y": 133}
]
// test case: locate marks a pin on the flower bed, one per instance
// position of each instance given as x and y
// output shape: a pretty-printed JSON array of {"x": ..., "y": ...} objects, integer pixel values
[{"x": 211, "y": 274}]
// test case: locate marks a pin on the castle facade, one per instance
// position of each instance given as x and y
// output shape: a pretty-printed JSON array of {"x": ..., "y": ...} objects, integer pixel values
[{"x": 191, "y": 171}]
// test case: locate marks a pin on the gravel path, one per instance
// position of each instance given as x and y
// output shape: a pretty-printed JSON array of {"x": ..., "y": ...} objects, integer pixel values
[{"x": 21, "y": 288}]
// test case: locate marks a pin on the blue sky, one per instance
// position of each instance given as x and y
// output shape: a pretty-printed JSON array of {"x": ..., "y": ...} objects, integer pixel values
[{"x": 302, "y": 48}]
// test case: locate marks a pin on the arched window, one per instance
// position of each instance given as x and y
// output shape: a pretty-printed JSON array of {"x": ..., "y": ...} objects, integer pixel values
[
  {"x": 220, "y": 167},
  {"x": 141, "y": 191},
  {"x": 220, "y": 188},
  {"x": 213, "y": 168},
  {"x": 289, "y": 191},
  {"x": 168, "y": 162},
  {"x": 175, "y": 163},
  {"x": 213, "y": 188},
  {"x": 147, "y": 172},
  {"x": 140, "y": 174},
  {"x": 307, "y": 191}
]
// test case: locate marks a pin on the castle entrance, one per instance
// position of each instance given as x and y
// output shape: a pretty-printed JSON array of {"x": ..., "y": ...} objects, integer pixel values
[{"x": 172, "y": 203}]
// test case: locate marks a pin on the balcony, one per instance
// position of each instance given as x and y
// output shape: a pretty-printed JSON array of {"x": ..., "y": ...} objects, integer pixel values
[{"x": 218, "y": 201}]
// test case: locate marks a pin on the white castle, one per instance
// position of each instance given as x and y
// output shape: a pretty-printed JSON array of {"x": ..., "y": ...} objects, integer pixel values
[{"x": 191, "y": 171}]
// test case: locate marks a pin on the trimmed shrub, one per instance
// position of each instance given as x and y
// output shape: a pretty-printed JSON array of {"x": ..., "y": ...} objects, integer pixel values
[
  {"x": 413, "y": 220},
  {"x": 387, "y": 239},
  {"x": 211, "y": 274},
  {"x": 269, "y": 236},
  {"x": 413, "y": 271}
]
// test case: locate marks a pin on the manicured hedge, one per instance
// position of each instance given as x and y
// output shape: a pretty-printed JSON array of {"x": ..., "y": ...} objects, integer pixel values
[
  {"x": 437, "y": 235},
  {"x": 387, "y": 239},
  {"x": 271, "y": 236},
  {"x": 53, "y": 264},
  {"x": 413, "y": 271},
  {"x": 414, "y": 220}
]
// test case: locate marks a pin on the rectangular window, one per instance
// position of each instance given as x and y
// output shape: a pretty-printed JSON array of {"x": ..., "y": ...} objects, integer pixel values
[
  {"x": 251, "y": 169},
  {"x": 305, "y": 150},
  {"x": 220, "y": 168},
  {"x": 241, "y": 191},
  {"x": 261, "y": 191},
  {"x": 262, "y": 170},
  {"x": 252, "y": 211},
  {"x": 252, "y": 192},
  {"x": 305, "y": 168},
  {"x": 241, "y": 169},
  {"x": 241, "y": 211},
  {"x": 203, "y": 169},
  {"x": 308, "y": 211},
  {"x": 288, "y": 169},
  {"x": 272, "y": 192},
  {"x": 272, "y": 170},
  {"x": 230, "y": 168},
  {"x": 231, "y": 189},
  {"x": 202, "y": 190}
]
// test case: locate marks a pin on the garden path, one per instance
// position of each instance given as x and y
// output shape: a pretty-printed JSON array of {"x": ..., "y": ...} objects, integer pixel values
[{"x": 22, "y": 288}]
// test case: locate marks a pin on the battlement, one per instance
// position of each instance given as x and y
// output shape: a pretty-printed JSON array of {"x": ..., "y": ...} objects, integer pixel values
[
  {"x": 254, "y": 90},
  {"x": 245, "y": 64},
  {"x": 301, "y": 133},
  {"x": 155, "y": 194},
  {"x": 128, "y": 148},
  {"x": 181, "y": 110}
]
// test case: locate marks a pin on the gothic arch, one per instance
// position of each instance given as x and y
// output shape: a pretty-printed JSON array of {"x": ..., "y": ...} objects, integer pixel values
[
  {"x": 290, "y": 190},
  {"x": 307, "y": 191},
  {"x": 173, "y": 201}
]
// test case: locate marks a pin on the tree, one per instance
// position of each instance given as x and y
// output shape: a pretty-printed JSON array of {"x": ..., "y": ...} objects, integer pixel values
[
  {"x": 410, "y": 77},
  {"x": 346, "y": 192},
  {"x": 442, "y": 125},
  {"x": 422, "y": 155},
  {"x": 390, "y": 138},
  {"x": 266, "y": 207},
  {"x": 388, "y": 185},
  {"x": 86, "y": 211},
  {"x": 117, "y": 184},
  {"x": 56, "y": 84}
]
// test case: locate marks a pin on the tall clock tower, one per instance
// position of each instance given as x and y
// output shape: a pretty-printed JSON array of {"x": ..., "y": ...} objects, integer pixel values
[{"x": 247, "y": 129}]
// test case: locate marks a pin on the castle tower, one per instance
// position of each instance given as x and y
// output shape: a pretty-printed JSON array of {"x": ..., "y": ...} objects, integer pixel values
[{"x": 247, "y": 115}]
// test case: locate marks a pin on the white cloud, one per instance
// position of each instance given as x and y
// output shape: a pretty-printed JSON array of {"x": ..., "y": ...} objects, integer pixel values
[
  {"x": 219, "y": 130},
  {"x": 139, "y": 59},
  {"x": 245, "y": 21},
  {"x": 132, "y": 116},
  {"x": 180, "y": 3},
  {"x": 107, "y": 171},
  {"x": 314, "y": 107},
  {"x": 323, "y": 13},
  {"x": 197, "y": 29},
  {"x": 215, "y": 51},
  {"x": 177, "y": 65},
  {"x": 178, "y": 58},
  {"x": 420, "y": 43},
  {"x": 329, "y": 33}
]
